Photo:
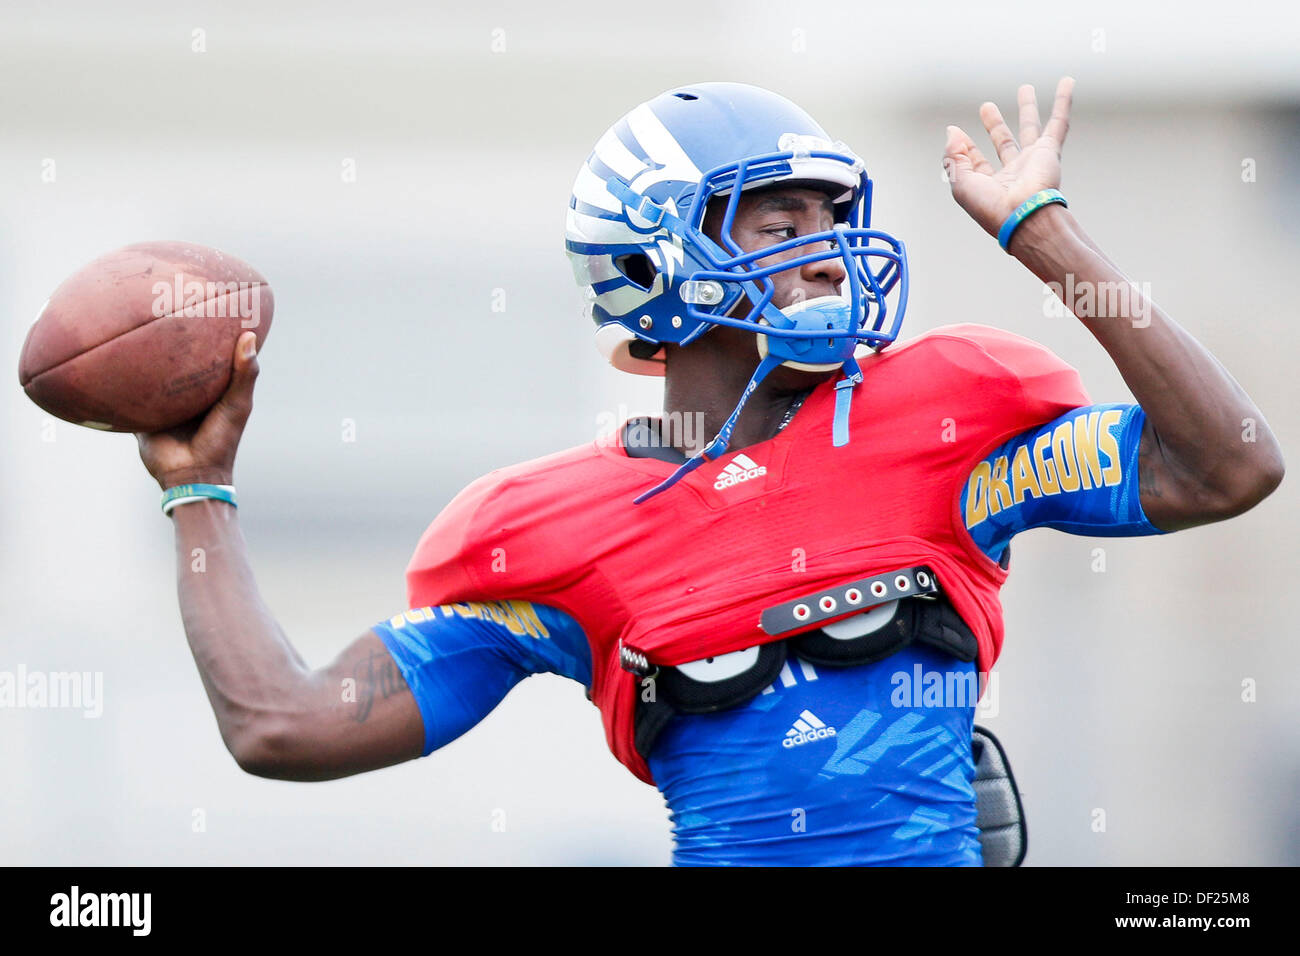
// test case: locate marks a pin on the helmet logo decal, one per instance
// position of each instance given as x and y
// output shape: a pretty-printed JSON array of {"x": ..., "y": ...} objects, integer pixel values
[{"x": 672, "y": 252}]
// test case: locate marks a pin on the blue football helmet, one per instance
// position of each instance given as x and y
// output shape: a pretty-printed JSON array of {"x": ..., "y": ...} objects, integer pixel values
[{"x": 634, "y": 235}]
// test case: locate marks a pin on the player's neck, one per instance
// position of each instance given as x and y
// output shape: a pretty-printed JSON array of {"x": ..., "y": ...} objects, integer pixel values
[{"x": 702, "y": 388}]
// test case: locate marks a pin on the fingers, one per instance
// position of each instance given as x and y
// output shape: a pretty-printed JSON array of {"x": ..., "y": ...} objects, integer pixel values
[
  {"x": 245, "y": 371},
  {"x": 1059, "y": 123},
  {"x": 246, "y": 368},
  {"x": 999, "y": 132},
  {"x": 961, "y": 153},
  {"x": 236, "y": 403},
  {"x": 1029, "y": 125}
]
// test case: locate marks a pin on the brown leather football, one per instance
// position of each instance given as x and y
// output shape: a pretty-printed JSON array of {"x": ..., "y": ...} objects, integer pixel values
[{"x": 142, "y": 339}]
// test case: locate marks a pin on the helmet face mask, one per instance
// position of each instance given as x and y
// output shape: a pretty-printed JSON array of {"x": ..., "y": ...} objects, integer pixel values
[
  {"x": 866, "y": 285},
  {"x": 637, "y": 242}
]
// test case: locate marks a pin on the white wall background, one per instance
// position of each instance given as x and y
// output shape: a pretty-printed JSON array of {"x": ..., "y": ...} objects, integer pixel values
[{"x": 1119, "y": 691}]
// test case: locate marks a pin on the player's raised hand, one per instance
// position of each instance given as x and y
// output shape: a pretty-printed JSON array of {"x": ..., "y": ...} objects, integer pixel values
[
  {"x": 990, "y": 195},
  {"x": 204, "y": 449}
]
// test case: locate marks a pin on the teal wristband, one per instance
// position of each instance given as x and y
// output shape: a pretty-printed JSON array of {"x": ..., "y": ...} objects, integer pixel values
[
  {"x": 1026, "y": 209},
  {"x": 184, "y": 494}
]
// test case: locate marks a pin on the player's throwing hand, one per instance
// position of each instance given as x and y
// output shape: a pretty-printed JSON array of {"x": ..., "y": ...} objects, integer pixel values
[
  {"x": 1031, "y": 165},
  {"x": 204, "y": 449}
]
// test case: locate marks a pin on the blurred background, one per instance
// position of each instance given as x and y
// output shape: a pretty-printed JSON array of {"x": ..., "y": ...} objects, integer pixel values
[{"x": 400, "y": 172}]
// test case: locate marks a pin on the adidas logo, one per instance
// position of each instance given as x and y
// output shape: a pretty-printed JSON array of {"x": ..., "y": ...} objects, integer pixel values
[
  {"x": 741, "y": 468},
  {"x": 807, "y": 728}
]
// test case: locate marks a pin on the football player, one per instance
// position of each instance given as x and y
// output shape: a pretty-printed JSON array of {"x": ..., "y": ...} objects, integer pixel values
[{"x": 783, "y": 615}]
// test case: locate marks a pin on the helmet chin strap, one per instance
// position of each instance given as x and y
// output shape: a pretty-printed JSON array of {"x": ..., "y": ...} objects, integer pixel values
[{"x": 815, "y": 315}]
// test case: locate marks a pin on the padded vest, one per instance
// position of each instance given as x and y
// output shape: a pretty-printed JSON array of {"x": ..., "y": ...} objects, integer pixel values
[
  {"x": 690, "y": 573},
  {"x": 730, "y": 680}
]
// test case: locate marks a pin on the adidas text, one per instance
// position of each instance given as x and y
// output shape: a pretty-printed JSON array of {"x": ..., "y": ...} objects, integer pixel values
[
  {"x": 807, "y": 728},
  {"x": 807, "y": 737},
  {"x": 741, "y": 468}
]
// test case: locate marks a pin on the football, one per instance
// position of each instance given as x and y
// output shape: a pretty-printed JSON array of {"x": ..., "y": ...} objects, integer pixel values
[{"x": 142, "y": 339}]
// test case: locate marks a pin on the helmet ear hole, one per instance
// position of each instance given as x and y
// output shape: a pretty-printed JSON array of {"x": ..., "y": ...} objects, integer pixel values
[{"x": 638, "y": 268}]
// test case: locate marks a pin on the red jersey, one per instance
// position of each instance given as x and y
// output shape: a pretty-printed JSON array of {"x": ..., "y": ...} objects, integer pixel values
[{"x": 688, "y": 573}]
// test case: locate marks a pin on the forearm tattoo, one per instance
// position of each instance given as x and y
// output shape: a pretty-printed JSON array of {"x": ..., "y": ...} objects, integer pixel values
[{"x": 377, "y": 679}]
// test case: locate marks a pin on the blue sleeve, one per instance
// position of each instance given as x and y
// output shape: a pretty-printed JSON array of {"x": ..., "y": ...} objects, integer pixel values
[
  {"x": 1078, "y": 473},
  {"x": 460, "y": 660}
]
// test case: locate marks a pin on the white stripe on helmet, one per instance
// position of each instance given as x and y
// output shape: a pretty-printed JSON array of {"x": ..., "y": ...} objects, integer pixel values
[
  {"x": 611, "y": 151},
  {"x": 662, "y": 149}
]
